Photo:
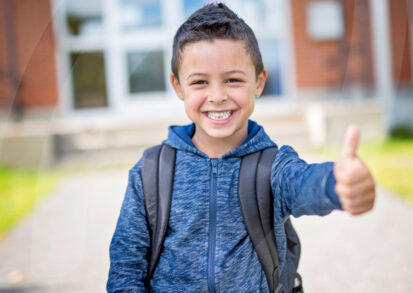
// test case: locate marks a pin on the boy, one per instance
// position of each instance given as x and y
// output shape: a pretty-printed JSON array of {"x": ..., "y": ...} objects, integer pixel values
[{"x": 217, "y": 71}]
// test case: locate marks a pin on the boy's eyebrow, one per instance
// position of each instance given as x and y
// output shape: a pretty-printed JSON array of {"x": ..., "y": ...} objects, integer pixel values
[
  {"x": 226, "y": 73},
  {"x": 195, "y": 74},
  {"x": 236, "y": 71}
]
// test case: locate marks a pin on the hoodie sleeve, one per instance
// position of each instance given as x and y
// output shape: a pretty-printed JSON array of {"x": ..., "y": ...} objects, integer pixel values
[
  {"x": 130, "y": 242},
  {"x": 301, "y": 188}
]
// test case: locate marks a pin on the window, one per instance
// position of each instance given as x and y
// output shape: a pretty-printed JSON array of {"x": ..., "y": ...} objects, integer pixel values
[
  {"x": 190, "y": 6},
  {"x": 138, "y": 14},
  {"x": 270, "y": 55},
  {"x": 89, "y": 80},
  {"x": 84, "y": 17},
  {"x": 125, "y": 46},
  {"x": 254, "y": 12},
  {"x": 146, "y": 71}
]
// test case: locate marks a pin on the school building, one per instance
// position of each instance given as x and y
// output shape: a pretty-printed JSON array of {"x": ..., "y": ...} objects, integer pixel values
[{"x": 104, "y": 58}]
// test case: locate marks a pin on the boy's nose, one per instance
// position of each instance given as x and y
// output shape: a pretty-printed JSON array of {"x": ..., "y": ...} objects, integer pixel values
[{"x": 217, "y": 96}]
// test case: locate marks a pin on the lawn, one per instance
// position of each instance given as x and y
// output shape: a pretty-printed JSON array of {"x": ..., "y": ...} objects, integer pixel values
[
  {"x": 20, "y": 190},
  {"x": 391, "y": 162}
]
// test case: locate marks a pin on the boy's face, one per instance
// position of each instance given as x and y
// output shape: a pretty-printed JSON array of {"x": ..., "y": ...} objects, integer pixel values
[{"x": 218, "y": 84}]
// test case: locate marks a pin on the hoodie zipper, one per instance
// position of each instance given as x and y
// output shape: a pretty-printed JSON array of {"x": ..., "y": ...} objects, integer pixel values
[{"x": 212, "y": 226}]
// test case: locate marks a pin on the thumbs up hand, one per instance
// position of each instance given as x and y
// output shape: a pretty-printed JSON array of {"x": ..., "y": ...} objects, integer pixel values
[{"x": 354, "y": 184}]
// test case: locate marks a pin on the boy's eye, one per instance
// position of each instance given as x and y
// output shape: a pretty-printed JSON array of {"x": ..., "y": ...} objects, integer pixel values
[
  {"x": 198, "y": 82},
  {"x": 233, "y": 80}
]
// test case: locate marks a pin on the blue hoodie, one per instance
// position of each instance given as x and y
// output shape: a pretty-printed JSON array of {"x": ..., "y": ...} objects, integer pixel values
[{"x": 207, "y": 248}]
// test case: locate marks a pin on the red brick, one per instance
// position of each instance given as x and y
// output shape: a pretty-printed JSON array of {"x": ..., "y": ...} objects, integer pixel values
[
  {"x": 324, "y": 63},
  {"x": 35, "y": 54},
  {"x": 401, "y": 40}
]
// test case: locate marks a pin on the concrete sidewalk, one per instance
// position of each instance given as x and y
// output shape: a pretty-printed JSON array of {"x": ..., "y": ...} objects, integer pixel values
[
  {"x": 63, "y": 246},
  {"x": 368, "y": 253}
]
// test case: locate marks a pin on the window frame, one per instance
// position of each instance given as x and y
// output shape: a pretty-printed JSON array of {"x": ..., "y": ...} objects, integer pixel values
[{"x": 115, "y": 43}]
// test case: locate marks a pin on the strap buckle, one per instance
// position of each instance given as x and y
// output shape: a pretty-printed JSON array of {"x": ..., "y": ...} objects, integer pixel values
[
  {"x": 276, "y": 281},
  {"x": 298, "y": 284},
  {"x": 279, "y": 289}
]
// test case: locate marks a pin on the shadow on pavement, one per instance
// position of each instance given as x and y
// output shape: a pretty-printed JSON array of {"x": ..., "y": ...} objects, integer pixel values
[
  {"x": 21, "y": 289},
  {"x": 26, "y": 288}
]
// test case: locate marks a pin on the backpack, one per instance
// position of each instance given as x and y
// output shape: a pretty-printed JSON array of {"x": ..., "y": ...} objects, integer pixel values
[{"x": 256, "y": 202}]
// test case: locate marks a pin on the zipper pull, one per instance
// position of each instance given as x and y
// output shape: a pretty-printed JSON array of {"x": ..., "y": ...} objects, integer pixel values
[{"x": 214, "y": 163}]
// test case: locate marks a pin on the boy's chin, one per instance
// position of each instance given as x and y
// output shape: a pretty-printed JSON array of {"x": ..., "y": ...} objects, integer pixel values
[{"x": 226, "y": 134}]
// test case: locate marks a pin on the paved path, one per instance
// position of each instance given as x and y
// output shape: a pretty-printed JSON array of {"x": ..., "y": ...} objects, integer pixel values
[
  {"x": 369, "y": 253},
  {"x": 63, "y": 246}
]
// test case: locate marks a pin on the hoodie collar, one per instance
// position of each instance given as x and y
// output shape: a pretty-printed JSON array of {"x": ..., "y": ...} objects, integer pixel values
[{"x": 180, "y": 137}]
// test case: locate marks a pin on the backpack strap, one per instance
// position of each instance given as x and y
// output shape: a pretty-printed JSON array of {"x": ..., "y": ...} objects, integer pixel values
[
  {"x": 289, "y": 276},
  {"x": 158, "y": 168},
  {"x": 256, "y": 202}
]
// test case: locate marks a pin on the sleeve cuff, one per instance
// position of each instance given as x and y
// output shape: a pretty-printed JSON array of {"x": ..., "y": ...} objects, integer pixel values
[{"x": 330, "y": 190}]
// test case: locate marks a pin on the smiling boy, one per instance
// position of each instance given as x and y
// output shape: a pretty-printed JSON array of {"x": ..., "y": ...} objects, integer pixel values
[
  {"x": 217, "y": 71},
  {"x": 217, "y": 81}
]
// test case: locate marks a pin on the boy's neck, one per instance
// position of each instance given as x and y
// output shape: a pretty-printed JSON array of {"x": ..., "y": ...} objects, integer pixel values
[{"x": 217, "y": 147}]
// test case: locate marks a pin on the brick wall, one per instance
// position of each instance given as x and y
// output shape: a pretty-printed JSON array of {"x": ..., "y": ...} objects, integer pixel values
[
  {"x": 319, "y": 64},
  {"x": 333, "y": 63},
  {"x": 401, "y": 42},
  {"x": 4, "y": 81},
  {"x": 35, "y": 54}
]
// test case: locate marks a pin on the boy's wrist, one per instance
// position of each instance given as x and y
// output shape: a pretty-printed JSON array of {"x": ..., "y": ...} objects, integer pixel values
[{"x": 330, "y": 189}]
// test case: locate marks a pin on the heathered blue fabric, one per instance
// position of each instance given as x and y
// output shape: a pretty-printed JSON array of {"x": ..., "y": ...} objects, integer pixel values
[{"x": 299, "y": 189}]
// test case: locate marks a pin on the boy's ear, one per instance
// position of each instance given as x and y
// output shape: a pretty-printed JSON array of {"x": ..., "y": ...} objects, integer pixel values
[
  {"x": 176, "y": 86},
  {"x": 262, "y": 77}
]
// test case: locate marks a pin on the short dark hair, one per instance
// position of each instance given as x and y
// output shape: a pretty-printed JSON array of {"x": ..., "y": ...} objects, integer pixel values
[{"x": 215, "y": 21}]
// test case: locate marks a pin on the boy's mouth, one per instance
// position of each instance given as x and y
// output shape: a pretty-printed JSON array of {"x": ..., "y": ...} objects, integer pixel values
[{"x": 219, "y": 115}]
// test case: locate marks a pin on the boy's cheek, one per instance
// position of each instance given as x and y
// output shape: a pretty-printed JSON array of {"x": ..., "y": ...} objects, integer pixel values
[{"x": 192, "y": 105}]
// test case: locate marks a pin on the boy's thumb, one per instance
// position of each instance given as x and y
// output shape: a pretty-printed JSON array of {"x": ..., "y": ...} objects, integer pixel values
[{"x": 351, "y": 141}]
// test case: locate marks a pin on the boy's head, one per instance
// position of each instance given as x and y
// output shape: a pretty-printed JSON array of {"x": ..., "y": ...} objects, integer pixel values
[
  {"x": 217, "y": 72},
  {"x": 215, "y": 21}
]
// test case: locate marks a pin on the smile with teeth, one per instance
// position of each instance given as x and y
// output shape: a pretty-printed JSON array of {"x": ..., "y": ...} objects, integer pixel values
[{"x": 219, "y": 115}]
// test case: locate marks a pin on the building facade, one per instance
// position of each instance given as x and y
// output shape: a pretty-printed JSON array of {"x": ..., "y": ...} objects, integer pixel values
[{"x": 108, "y": 56}]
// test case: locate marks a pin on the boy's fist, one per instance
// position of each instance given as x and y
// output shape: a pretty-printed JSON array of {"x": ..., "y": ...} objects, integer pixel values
[{"x": 354, "y": 184}]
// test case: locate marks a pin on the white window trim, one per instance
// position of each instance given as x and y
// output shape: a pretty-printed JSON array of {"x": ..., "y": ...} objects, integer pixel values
[{"x": 114, "y": 46}]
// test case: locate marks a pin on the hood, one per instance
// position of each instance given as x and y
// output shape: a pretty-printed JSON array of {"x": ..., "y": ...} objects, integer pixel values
[{"x": 180, "y": 137}]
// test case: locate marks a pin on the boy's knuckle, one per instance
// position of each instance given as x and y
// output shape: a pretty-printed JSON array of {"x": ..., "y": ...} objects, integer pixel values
[
  {"x": 344, "y": 191},
  {"x": 351, "y": 192},
  {"x": 351, "y": 177},
  {"x": 371, "y": 185}
]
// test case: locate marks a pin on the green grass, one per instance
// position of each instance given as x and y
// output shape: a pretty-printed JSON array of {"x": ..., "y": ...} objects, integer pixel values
[
  {"x": 20, "y": 190},
  {"x": 391, "y": 163}
]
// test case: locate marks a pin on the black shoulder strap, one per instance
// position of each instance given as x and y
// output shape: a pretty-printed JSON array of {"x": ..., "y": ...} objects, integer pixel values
[
  {"x": 289, "y": 276},
  {"x": 158, "y": 166},
  {"x": 255, "y": 198}
]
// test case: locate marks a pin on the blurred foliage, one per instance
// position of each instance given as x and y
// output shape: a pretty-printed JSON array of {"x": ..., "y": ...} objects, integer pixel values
[
  {"x": 391, "y": 163},
  {"x": 402, "y": 131},
  {"x": 20, "y": 191}
]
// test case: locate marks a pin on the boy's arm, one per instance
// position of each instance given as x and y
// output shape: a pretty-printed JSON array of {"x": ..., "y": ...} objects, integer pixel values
[
  {"x": 130, "y": 242},
  {"x": 302, "y": 188}
]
